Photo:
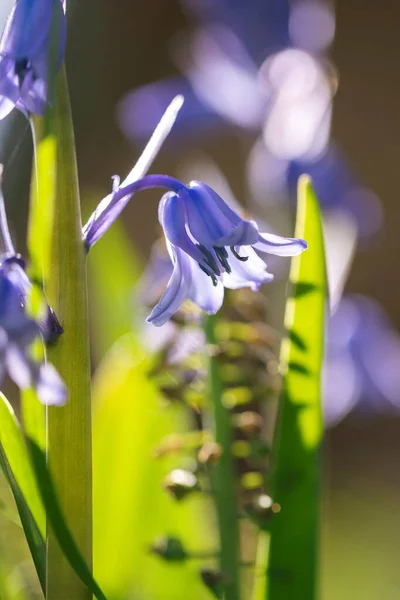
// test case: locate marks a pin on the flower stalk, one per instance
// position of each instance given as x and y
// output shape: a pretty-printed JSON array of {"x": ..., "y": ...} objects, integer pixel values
[
  {"x": 222, "y": 473},
  {"x": 57, "y": 231}
]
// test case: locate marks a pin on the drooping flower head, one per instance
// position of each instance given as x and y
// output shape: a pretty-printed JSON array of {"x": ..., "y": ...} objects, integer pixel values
[
  {"x": 26, "y": 54},
  {"x": 210, "y": 245}
]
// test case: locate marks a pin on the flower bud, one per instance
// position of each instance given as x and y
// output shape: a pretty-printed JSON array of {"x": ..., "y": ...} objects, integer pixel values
[
  {"x": 170, "y": 549},
  {"x": 261, "y": 508},
  {"x": 214, "y": 580},
  {"x": 209, "y": 453},
  {"x": 249, "y": 423},
  {"x": 180, "y": 483}
]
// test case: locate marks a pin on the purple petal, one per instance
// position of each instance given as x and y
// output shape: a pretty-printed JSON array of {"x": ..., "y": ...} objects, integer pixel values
[
  {"x": 243, "y": 235},
  {"x": 34, "y": 94},
  {"x": 49, "y": 386},
  {"x": 155, "y": 277},
  {"x": 202, "y": 291},
  {"x": 19, "y": 366},
  {"x": 9, "y": 84},
  {"x": 176, "y": 292},
  {"x": 251, "y": 273},
  {"x": 226, "y": 83},
  {"x": 281, "y": 246},
  {"x": 28, "y": 28},
  {"x": 6, "y": 107},
  {"x": 341, "y": 387},
  {"x": 172, "y": 217},
  {"x": 13, "y": 319},
  {"x": 140, "y": 110},
  {"x": 189, "y": 341},
  {"x": 212, "y": 222},
  {"x": 43, "y": 377}
]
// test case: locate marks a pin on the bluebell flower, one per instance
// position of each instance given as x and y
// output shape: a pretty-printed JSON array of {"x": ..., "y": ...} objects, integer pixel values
[
  {"x": 361, "y": 360},
  {"x": 210, "y": 245},
  {"x": 25, "y": 54},
  {"x": 17, "y": 334},
  {"x": 18, "y": 331}
]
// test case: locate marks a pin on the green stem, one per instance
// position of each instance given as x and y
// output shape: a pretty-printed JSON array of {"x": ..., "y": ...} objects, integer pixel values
[
  {"x": 260, "y": 583},
  {"x": 222, "y": 474},
  {"x": 59, "y": 260}
]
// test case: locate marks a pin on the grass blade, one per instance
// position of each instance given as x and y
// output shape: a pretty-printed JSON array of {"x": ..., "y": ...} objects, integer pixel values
[
  {"x": 16, "y": 465},
  {"x": 292, "y": 565},
  {"x": 58, "y": 524}
]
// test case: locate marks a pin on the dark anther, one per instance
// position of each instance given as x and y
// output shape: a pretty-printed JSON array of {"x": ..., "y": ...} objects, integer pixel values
[
  {"x": 223, "y": 258},
  {"x": 213, "y": 277},
  {"x": 21, "y": 68},
  {"x": 209, "y": 259},
  {"x": 51, "y": 327},
  {"x": 242, "y": 258}
]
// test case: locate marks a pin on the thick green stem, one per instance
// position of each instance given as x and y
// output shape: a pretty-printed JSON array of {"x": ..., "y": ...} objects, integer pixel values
[
  {"x": 59, "y": 259},
  {"x": 222, "y": 474}
]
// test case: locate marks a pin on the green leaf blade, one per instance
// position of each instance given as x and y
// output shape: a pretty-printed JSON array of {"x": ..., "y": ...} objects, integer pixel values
[
  {"x": 16, "y": 465},
  {"x": 16, "y": 452},
  {"x": 292, "y": 565}
]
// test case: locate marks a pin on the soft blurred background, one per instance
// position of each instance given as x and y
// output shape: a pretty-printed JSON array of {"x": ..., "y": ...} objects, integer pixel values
[{"x": 261, "y": 79}]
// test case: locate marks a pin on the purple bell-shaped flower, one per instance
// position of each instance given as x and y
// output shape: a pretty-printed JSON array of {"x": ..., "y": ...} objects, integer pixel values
[{"x": 27, "y": 57}]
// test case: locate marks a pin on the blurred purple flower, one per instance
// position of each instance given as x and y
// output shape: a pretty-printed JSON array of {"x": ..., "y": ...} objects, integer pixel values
[
  {"x": 25, "y": 54},
  {"x": 220, "y": 84},
  {"x": 362, "y": 360},
  {"x": 221, "y": 73},
  {"x": 17, "y": 334},
  {"x": 272, "y": 179},
  {"x": 18, "y": 331},
  {"x": 263, "y": 26},
  {"x": 282, "y": 91},
  {"x": 14, "y": 269}
]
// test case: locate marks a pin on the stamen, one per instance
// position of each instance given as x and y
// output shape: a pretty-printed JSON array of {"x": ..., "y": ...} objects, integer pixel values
[
  {"x": 236, "y": 255},
  {"x": 213, "y": 277},
  {"x": 223, "y": 258},
  {"x": 210, "y": 260},
  {"x": 21, "y": 68}
]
